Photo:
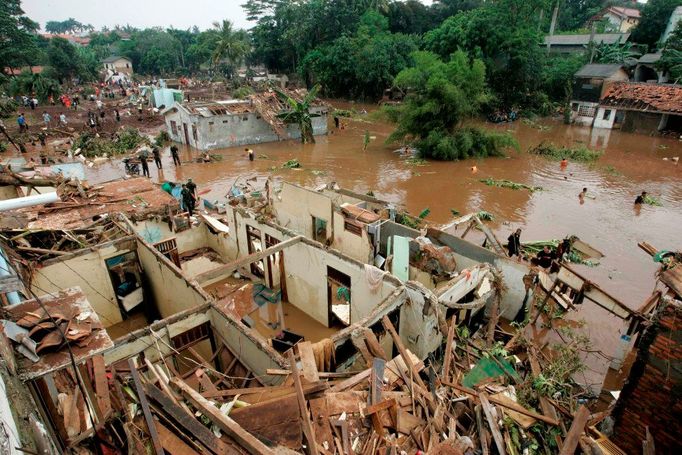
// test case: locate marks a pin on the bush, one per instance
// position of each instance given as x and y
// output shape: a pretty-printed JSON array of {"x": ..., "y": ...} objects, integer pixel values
[
  {"x": 3, "y": 147},
  {"x": 464, "y": 143},
  {"x": 162, "y": 138},
  {"x": 242, "y": 93},
  {"x": 92, "y": 146},
  {"x": 7, "y": 107}
]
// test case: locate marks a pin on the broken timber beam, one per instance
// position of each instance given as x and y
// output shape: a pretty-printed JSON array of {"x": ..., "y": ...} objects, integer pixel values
[
  {"x": 225, "y": 423},
  {"x": 228, "y": 269},
  {"x": 158, "y": 447},
  {"x": 403, "y": 351},
  {"x": 492, "y": 423},
  {"x": 305, "y": 416},
  {"x": 577, "y": 428}
]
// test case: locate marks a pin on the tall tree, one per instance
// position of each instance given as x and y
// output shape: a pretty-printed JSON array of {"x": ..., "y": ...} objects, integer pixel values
[
  {"x": 441, "y": 97},
  {"x": 17, "y": 46},
  {"x": 655, "y": 16},
  {"x": 671, "y": 58},
  {"x": 231, "y": 45},
  {"x": 64, "y": 59},
  {"x": 299, "y": 113}
]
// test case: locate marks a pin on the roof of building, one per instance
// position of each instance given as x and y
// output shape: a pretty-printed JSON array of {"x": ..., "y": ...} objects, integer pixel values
[
  {"x": 639, "y": 96},
  {"x": 649, "y": 58},
  {"x": 114, "y": 58},
  {"x": 134, "y": 197},
  {"x": 623, "y": 12},
  {"x": 598, "y": 70},
  {"x": 584, "y": 39}
]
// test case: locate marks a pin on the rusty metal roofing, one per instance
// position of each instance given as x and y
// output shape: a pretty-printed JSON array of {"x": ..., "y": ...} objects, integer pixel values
[
  {"x": 135, "y": 197},
  {"x": 69, "y": 303},
  {"x": 639, "y": 96}
]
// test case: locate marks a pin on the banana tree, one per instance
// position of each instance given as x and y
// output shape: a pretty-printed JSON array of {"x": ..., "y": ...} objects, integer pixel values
[{"x": 299, "y": 113}]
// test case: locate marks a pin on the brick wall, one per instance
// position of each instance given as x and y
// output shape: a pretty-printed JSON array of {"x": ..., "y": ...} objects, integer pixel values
[{"x": 652, "y": 395}]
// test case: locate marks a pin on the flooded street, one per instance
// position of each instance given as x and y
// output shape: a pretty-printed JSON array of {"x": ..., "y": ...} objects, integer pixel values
[{"x": 607, "y": 220}]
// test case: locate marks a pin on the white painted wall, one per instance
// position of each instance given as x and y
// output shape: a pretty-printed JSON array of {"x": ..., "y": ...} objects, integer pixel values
[
  {"x": 356, "y": 246},
  {"x": 89, "y": 272},
  {"x": 295, "y": 206},
  {"x": 600, "y": 121}
]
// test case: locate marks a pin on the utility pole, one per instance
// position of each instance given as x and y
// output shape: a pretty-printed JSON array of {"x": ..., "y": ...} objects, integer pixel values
[{"x": 552, "y": 26}]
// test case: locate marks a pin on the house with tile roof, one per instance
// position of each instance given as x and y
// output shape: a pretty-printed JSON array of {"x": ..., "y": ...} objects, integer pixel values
[
  {"x": 588, "y": 87},
  {"x": 641, "y": 108},
  {"x": 619, "y": 18}
]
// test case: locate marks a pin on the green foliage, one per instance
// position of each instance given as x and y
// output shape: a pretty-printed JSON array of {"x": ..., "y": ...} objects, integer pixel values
[
  {"x": 40, "y": 85},
  {"x": 509, "y": 184},
  {"x": 70, "y": 25},
  {"x": 231, "y": 45},
  {"x": 622, "y": 53},
  {"x": 7, "y": 107},
  {"x": 505, "y": 36},
  {"x": 574, "y": 14},
  {"x": 242, "y": 93},
  {"x": 3, "y": 147},
  {"x": 17, "y": 46},
  {"x": 655, "y": 16},
  {"x": 441, "y": 96},
  {"x": 162, "y": 138},
  {"x": 64, "y": 59},
  {"x": 362, "y": 65},
  {"x": 671, "y": 58},
  {"x": 424, "y": 213},
  {"x": 92, "y": 146},
  {"x": 291, "y": 164},
  {"x": 650, "y": 200},
  {"x": 299, "y": 113},
  {"x": 557, "y": 74},
  {"x": 554, "y": 152}
]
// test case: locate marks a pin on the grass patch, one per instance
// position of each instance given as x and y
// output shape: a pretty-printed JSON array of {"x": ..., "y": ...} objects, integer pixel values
[
  {"x": 509, "y": 184},
  {"x": 554, "y": 152}
]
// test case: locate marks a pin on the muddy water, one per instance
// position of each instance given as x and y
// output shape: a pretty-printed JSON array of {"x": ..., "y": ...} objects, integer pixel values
[{"x": 607, "y": 220}]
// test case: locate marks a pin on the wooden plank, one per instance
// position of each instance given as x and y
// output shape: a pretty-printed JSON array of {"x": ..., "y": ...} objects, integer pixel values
[
  {"x": 376, "y": 380},
  {"x": 275, "y": 420},
  {"x": 508, "y": 405},
  {"x": 101, "y": 386},
  {"x": 445, "y": 374},
  {"x": 380, "y": 406},
  {"x": 188, "y": 422},
  {"x": 360, "y": 345},
  {"x": 305, "y": 416},
  {"x": 351, "y": 382},
  {"x": 142, "y": 397},
  {"x": 577, "y": 427},
  {"x": 225, "y": 423},
  {"x": 228, "y": 269},
  {"x": 373, "y": 344},
  {"x": 321, "y": 422},
  {"x": 492, "y": 423},
  {"x": 523, "y": 420},
  {"x": 482, "y": 436},
  {"x": 320, "y": 374},
  {"x": 406, "y": 422},
  {"x": 308, "y": 365},
  {"x": 403, "y": 351},
  {"x": 172, "y": 443}
]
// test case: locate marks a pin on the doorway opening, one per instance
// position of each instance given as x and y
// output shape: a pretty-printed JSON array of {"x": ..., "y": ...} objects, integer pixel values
[{"x": 338, "y": 297}]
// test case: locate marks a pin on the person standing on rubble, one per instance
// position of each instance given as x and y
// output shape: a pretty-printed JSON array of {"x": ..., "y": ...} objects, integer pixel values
[
  {"x": 174, "y": 154},
  {"x": 143, "y": 161},
  {"x": 47, "y": 119},
  {"x": 192, "y": 187},
  {"x": 157, "y": 157},
  {"x": 514, "y": 245},
  {"x": 187, "y": 199}
]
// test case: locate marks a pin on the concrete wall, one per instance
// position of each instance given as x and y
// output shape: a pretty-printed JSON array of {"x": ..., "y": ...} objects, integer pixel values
[
  {"x": 221, "y": 131},
  {"x": 359, "y": 247},
  {"x": 171, "y": 291},
  {"x": 156, "y": 231},
  {"x": 295, "y": 206},
  {"x": 88, "y": 271},
  {"x": 600, "y": 121},
  {"x": 468, "y": 255},
  {"x": 306, "y": 280}
]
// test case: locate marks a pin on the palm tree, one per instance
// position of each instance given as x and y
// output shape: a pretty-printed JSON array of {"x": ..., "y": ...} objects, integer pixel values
[
  {"x": 231, "y": 45},
  {"x": 624, "y": 54},
  {"x": 300, "y": 113}
]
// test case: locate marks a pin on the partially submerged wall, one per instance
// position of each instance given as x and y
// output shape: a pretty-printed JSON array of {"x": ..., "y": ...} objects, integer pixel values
[{"x": 86, "y": 269}]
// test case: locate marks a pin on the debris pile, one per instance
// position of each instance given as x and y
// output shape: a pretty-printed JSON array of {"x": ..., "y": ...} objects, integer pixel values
[
  {"x": 509, "y": 184},
  {"x": 554, "y": 152}
]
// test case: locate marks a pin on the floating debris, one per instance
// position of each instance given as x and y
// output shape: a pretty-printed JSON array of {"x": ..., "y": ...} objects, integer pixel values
[
  {"x": 649, "y": 200},
  {"x": 291, "y": 164},
  {"x": 554, "y": 152},
  {"x": 509, "y": 184}
]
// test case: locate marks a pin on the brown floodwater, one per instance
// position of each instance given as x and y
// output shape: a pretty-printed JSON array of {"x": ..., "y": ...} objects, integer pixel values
[{"x": 607, "y": 219}]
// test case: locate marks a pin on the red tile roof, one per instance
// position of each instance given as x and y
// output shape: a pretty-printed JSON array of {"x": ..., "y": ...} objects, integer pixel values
[
  {"x": 18, "y": 71},
  {"x": 638, "y": 96},
  {"x": 625, "y": 12}
]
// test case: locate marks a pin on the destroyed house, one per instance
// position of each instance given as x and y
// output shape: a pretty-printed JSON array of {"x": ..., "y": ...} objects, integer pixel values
[
  {"x": 248, "y": 327},
  {"x": 647, "y": 108},
  {"x": 220, "y": 124},
  {"x": 589, "y": 85}
]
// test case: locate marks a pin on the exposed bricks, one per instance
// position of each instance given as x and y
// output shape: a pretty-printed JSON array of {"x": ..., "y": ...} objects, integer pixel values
[{"x": 652, "y": 395}]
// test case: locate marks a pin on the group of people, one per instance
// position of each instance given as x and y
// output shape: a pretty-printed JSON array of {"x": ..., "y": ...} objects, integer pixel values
[
  {"x": 143, "y": 156},
  {"x": 545, "y": 258}
]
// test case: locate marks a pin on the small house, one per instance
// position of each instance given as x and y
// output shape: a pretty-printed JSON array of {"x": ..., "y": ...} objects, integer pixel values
[
  {"x": 588, "y": 87},
  {"x": 619, "y": 18},
  {"x": 641, "y": 108},
  {"x": 646, "y": 69},
  {"x": 219, "y": 124},
  {"x": 118, "y": 64}
]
